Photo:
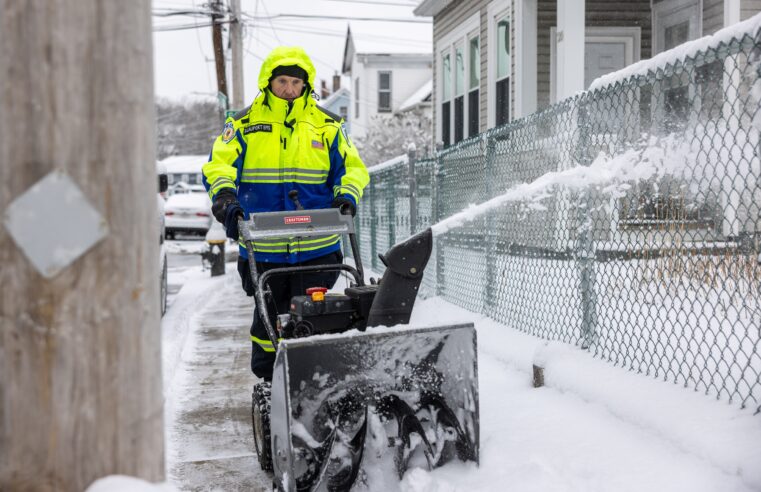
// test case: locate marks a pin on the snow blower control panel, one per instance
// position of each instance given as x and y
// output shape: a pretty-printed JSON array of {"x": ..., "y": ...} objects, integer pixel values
[{"x": 319, "y": 312}]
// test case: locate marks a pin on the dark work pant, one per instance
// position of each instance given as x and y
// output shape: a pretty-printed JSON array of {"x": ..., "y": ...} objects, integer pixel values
[{"x": 283, "y": 288}]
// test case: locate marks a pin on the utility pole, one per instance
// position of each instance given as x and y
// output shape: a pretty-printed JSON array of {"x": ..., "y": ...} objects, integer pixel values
[
  {"x": 219, "y": 54},
  {"x": 80, "y": 344},
  {"x": 236, "y": 44}
]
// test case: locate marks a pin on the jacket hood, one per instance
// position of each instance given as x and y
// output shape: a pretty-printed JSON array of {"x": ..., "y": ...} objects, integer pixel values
[{"x": 284, "y": 56}]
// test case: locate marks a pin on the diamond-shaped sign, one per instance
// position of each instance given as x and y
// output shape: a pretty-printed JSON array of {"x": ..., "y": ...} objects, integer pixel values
[{"x": 53, "y": 223}]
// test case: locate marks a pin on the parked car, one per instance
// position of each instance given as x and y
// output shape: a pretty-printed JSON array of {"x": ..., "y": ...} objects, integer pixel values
[
  {"x": 188, "y": 213},
  {"x": 163, "y": 185}
]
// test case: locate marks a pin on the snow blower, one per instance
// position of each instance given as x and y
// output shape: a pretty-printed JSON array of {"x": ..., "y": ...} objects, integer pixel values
[{"x": 357, "y": 397}]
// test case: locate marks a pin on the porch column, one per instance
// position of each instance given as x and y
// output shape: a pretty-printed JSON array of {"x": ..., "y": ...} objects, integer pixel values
[
  {"x": 570, "y": 48},
  {"x": 525, "y": 62}
]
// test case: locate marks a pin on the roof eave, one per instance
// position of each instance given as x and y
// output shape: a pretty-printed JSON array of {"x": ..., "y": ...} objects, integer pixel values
[{"x": 430, "y": 8}]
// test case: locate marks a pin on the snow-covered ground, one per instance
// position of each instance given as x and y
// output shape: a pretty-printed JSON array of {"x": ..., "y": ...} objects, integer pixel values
[{"x": 592, "y": 427}]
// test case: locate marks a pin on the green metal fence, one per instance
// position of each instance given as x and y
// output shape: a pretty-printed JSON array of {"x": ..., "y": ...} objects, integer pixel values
[{"x": 638, "y": 237}]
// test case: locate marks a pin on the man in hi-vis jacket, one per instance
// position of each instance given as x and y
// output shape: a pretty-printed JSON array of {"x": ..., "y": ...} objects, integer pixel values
[{"x": 284, "y": 141}]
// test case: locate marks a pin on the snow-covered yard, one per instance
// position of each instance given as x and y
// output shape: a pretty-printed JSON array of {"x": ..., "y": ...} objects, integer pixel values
[{"x": 592, "y": 427}]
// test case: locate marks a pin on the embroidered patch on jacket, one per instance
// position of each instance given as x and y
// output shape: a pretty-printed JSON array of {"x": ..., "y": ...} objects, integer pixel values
[
  {"x": 317, "y": 145},
  {"x": 259, "y": 127},
  {"x": 228, "y": 133},
  {"x": 345, "y": 135}
]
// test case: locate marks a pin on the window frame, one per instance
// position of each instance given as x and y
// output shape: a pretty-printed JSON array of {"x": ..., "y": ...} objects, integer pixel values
[
  {"x": 461, "y": 37},
  {"x": 497, "y": 11},
  {"x": 390, "y": 107},
  {"x": 356, "y": 98},
  {"x": 689, "y": 10}
]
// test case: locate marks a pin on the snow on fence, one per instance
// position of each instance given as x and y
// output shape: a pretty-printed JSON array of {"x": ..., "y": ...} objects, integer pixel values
[{"x": 625, "y": 220}]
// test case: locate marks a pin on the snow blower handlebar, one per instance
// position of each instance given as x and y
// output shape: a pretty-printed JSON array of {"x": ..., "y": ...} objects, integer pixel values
[{"x": 296, "y": 223}]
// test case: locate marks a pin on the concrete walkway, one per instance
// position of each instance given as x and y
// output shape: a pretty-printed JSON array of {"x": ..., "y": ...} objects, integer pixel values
[{"x": 210, "y": 442}]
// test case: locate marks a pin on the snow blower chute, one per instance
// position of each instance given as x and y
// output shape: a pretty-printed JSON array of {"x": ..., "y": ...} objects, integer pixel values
[{"x": 351, "y": 401}]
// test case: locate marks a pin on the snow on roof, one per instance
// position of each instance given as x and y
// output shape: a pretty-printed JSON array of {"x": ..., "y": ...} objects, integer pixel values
[
  {"x": 681, "y": 52},
  {"x": 366, "y": 37},
  {"x": 429, "y": 8},
  {"x": 184, "y": 163},
  {"x": 419, "y": 96},
  {"x": 329, "y": 100}
]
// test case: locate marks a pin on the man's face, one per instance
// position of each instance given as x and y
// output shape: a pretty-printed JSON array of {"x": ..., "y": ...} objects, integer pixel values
[{"x": 287, "y": 87}]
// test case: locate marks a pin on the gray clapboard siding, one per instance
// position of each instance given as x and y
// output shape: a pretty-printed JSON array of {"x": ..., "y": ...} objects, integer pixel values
[
  {"x": 445, "y": 22},
  {"x": 749, "y": 8},
  {"x": 713, "y": 16}
]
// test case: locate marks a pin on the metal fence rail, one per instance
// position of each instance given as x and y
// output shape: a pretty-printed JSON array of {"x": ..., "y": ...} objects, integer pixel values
[{"x": 640, "y": 237}]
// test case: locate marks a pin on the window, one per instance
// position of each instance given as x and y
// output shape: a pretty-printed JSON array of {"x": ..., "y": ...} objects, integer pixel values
[
  {"x": 502, "y": 87},
  {"x": 384, "y": 92},
  {"x": 343, "y": 111},
  {"x": 458, "y": 82},
  {"x": 474, "y": 84},
  {"x": 446, "y": 94},
  {"x": 459, "y": 90},
  {"x": 356, "y": 97}
]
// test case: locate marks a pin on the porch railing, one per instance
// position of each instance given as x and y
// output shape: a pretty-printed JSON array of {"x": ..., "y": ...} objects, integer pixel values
[{"x": 638, "y": 235}]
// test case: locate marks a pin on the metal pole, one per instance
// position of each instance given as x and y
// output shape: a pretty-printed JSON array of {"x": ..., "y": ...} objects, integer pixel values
[
  {"x": 411, "y": 156},
  {"x": 488, "y": 147},
  {"x": 585, "y": 253}
]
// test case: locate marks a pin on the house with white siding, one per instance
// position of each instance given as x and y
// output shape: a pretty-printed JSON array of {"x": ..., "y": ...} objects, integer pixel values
[
  {"x": 498, "y": 60},
  {"x": 387, "y": 73}
]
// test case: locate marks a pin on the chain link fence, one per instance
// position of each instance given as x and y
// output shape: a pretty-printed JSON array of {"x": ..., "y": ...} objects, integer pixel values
[{"x": 627, "y": 219}]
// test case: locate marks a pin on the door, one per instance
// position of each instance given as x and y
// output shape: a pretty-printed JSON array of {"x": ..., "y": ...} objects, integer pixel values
[
  {"x": 606, "y": 49},
  {"x": 601, "y": 58}
]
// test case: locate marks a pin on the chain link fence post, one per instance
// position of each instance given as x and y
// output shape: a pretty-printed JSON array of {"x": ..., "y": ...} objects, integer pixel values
[
  {"x": 488, "y": 150},
  {"x": 391, "y": 207},
  {"x": 373, "y": 227},
  {"x": 411, "y": 157},
  {"x": 436, "y": 217},
  {"x": 585, "y": 250}
]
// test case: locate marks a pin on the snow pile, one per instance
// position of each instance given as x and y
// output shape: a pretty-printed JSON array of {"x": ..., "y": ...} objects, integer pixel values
[
  {"x": 681, "y": 52},
  {"x": 122, "y": 483},
  {"x": 592, "y": 427},
  {"x": 612, "y": 175}
]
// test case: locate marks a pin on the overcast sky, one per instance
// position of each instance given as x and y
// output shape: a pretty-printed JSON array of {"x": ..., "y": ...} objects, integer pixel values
[{"x": 184, "y": 59}]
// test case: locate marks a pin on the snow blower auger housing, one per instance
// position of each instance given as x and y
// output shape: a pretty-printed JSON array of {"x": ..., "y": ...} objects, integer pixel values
[{"x": 351, "y": 403}]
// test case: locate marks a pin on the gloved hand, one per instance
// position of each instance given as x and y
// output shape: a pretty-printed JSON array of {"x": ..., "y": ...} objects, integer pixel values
[
  {"x": 345, "y": 205},
  {"x": 227, "y": 210}
]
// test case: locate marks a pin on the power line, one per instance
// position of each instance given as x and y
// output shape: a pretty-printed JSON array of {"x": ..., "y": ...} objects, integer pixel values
[
  {"x": 369, "y": 2},
  {"x": 182, "y": 27},
  {"x": 342, "y": 34},
  {"x": 264, "y": 6},
  {"x": 340, "y": 17}
]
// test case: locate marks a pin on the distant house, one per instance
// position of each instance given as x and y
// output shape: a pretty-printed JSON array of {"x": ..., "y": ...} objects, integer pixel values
[
  {"x": 338, "y": 102},
  {"x": 387, "y": 76},
  {"x": 184, "y": 171},
  {"x": 498, "y": 60}
]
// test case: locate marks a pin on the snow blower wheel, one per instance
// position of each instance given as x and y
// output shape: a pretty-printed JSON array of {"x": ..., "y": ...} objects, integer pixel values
[{"x": 260, "y": 414}]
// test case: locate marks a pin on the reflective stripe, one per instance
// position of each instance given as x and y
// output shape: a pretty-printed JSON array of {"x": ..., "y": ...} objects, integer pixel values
[
  {"x": 266, "y": 345},
  {"x": 347, "y": 189},
  {"x": 220, "y": 182},
  {"x": 264, "y": 170},
  {"x": 277, "y": 175},
  {"x": 295, "y": 178},
  {"x": 289, "y": 245}
]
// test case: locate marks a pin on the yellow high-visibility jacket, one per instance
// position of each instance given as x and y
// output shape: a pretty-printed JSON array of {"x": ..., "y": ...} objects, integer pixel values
[{"x": 273, "y": 147}]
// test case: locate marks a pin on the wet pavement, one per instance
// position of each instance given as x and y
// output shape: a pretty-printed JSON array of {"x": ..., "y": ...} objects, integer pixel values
[{"x": 210, "y": 435}]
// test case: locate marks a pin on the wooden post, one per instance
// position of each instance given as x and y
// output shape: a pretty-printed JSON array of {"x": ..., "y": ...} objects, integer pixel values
[
  {"x": 236, "y": 50},
  {"x": 80, "y": 354},
  {"x": 219, "y": 50}
]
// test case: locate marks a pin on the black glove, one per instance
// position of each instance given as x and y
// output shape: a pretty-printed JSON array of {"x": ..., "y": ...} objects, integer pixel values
[
  {"x": 227, "y": 210},
  {"x": 345, "y": 205}
]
